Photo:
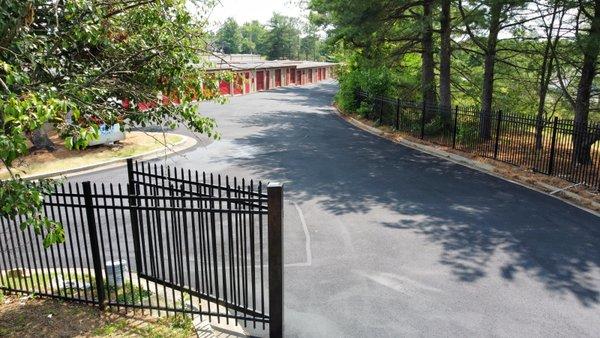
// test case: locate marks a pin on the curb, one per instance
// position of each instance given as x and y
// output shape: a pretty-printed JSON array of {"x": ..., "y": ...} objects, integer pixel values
[
  {"x": 461, "y": 160},
  {"x": 177, "y": 148}
]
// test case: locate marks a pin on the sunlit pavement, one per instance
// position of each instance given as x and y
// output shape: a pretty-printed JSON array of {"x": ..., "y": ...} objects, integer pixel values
[{"x": 400, "y": 242}]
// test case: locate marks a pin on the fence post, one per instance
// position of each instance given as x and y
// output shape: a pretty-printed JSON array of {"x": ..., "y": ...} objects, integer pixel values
[
  {"x": 275, "y": 247},
  {"x": 498, "y": 122},
  {"x": 423, "y": 121},
  {"x": 398, "y": 114},
  {"x": 381, "y": 110},
  {"x": 553, "y": 146},
  {"x": 135, "y": 226},
  {"x": 455, "y": 125},
  {"x": 93, "y": 234}
]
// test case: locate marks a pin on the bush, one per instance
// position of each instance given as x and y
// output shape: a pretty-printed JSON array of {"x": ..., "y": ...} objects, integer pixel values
[
  {"x": 374, "y": 81},
  {"x": 365, "y": 109}
]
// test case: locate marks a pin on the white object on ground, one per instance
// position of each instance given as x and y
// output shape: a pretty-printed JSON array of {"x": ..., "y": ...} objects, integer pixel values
[
  {"x": 115, "y": 271},
  {"x": 108, "y": 135}
]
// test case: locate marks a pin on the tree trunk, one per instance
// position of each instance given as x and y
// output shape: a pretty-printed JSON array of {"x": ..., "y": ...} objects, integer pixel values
[
  {"x": 445, "y": 56},
  {"x": 40, "y": 140},
  {"x": 581, "y": 138},
  {"x": 485, "y": 130},
  {"x": 545, "y": 74},
  {"x": 427, "y": 63}
]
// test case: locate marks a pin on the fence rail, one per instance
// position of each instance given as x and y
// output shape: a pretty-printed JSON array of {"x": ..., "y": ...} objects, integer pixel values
[
  {"x": 170, "y": 241},
  {"x": 549, "y": 146}
]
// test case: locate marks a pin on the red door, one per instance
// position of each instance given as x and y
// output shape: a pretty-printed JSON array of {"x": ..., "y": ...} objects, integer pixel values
[
  {"x": 247, "y": 82},
  {"x": 260, "y": 80},
  {"x": 237, "y": 85},
  {"x": 292, "y": 76},
  {"x": 278, "y": 78},
  {"x": 310, "y": 79},
  {"x": 299, "y": 77},
  {"x": 268, "y": 80},
  {"x": 224, "y": 87}
]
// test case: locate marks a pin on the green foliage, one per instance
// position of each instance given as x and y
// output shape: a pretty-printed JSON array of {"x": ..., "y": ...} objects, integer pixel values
[
  {"x": 283, "y": 40},
  {"x": 365, "y": 108},
  {"x": 79, "y": 64},
  {"x": 229, "y": 37},
  {"x": 23, "y": 200},
  {"x": 254, "y": 36},
  {"x": 131, "y": 294},
  {"x": 367, "y": 34},
  {"x": 179, "y": 322},
  {"x": 373, "y": 80},
  {"x": 311, "y": 46}
]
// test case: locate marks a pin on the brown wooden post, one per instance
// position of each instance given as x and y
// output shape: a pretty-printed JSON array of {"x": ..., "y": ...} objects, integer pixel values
[{"x": 275, "y": 223}]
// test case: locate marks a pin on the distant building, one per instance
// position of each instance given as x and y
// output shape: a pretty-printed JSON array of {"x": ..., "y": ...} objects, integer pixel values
[{"x": 254, "y": 73}]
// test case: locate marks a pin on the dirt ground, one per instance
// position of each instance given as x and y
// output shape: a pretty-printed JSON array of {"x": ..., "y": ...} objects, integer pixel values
[
  {"x": 43, "y": 161},
  {"x": 34, "y": 317}
]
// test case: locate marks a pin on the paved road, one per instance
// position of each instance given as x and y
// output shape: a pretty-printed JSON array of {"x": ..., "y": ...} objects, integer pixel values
[{"x": 403, "y": 243}]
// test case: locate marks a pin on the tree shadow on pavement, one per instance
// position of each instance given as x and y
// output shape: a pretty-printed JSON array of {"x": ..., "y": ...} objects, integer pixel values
[{"x": 470, "y": 215}]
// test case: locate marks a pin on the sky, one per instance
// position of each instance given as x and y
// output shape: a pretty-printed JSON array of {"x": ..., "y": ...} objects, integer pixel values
[{"x": 248, "y": 10}]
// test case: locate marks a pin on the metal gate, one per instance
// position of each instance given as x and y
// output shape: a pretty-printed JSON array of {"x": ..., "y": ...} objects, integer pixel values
[
  {"x": 214, "y": 230},
  {"x": 172, "y": 241}
]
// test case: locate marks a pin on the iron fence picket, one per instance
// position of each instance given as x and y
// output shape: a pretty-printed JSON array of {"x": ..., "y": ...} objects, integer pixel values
[
  {"x": 513, "y": 136},
  {"x": 171, "y": 241}
]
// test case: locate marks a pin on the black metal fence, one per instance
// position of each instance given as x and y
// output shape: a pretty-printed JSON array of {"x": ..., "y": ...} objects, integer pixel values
[
  {"x": 173, "y": 241},
  {"x": 541, "y": 145}
]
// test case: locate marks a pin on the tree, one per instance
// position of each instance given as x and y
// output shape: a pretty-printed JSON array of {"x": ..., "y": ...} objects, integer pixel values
[
  {"x": 428, "y": 87},
  {"x": 310, "y": 43},
  {"x": 229, "y": 37},
  {"x": 80, "y": 64},
  {"x": 537, "y": 58},
  {"x": 387, "y": 33},
  {"x": 589, "y": 45},
  {"x": 253, "y": 38},
  {"x": 553, "y": 34},
  {"x": 493, "y": 16},
  {"x": 445, "y": 61},
  {"x": 283, "y": 38}
]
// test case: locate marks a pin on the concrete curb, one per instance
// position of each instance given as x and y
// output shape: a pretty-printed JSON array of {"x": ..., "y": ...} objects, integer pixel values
[
  {"x": 482, "y": 167},
  {"x": 177, "y": 148}
]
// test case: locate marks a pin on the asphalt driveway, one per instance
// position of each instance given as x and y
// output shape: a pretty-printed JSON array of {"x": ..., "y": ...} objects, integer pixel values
[{"x": 382, "y": 240}]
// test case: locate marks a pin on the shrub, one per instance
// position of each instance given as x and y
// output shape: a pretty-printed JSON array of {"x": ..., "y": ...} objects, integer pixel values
[
  {"x": 374, "y": 81},
  {"x": 365, "y": 109}
]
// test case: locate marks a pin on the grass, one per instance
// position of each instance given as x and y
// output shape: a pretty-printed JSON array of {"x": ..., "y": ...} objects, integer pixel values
[
  {"x": 41, "y": 282},
  {"x": 172, "y": 327},
  {"x": 52, "y": 318},
  {"x": 131, "y": 294},
  {"x": 61, "y": 159},
  {"x": 46, "y": 283}
]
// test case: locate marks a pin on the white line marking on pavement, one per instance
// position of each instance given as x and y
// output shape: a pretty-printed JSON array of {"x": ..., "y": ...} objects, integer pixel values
[
  {"x": 307, "y": 244},
  {"x": 307, "y": 241}
]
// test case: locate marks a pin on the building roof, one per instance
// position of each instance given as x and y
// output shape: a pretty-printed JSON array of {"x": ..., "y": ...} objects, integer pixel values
[{"x": 236, "y": 62}]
